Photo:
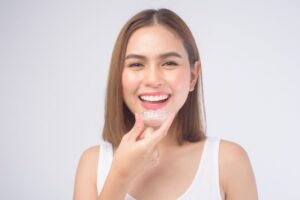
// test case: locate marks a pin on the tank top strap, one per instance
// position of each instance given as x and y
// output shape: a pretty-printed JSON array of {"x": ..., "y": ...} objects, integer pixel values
[
  {"x": 104, "y": 163},
  {"x": 209, "y": 179},
  {"x": 206, "y": 181}
]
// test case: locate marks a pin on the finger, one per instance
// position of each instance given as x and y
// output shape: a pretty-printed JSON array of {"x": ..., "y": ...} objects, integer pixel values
[
  {"x": 146, "y": 133},
  {"x": 160, "y": 133},
  {"x": 138, "y": 127}
]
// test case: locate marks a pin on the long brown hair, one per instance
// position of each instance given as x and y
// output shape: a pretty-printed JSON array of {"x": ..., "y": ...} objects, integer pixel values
[{"x": 190, "y": 123}]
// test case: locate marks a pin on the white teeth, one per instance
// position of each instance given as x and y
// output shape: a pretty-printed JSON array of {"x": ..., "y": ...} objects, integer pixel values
[
  {"x": 154, "y": 115},
  {"x": 154, "y": 98}
]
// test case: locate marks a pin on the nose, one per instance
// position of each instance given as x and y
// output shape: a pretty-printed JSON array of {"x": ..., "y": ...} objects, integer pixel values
[{"x": 153, "y": 77}]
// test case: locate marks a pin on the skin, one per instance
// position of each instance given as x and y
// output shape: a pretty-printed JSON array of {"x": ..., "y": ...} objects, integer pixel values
[{"x": 141, "y": 163}]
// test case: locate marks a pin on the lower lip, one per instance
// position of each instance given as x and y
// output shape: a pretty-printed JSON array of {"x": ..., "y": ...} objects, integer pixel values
[{"x": 153, "y": 106}]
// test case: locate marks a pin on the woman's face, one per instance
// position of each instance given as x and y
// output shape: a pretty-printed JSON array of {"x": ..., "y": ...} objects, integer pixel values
[{"x": 156, "y": 74}]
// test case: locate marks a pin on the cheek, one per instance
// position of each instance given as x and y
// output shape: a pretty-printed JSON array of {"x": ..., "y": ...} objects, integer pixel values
[
  {"x": 130, "y": 82},
  {"x": 181, "y": 82}
]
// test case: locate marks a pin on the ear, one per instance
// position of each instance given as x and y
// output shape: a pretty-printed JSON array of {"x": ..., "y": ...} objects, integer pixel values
[{"x": 194, "y": 75}]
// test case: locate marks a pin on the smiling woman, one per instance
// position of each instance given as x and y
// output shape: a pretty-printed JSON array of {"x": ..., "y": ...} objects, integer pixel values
[{"x": 155, "y": 145}]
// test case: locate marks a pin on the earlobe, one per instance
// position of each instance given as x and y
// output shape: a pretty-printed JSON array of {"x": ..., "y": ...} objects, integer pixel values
[{"x": 194, "y": 75}]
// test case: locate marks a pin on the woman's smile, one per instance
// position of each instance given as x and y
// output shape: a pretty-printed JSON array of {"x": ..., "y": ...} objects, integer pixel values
[{"x": 154, "y": 101}]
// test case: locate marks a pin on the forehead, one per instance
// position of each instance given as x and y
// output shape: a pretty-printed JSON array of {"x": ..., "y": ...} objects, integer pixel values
[{"x": 154, "y": 40}]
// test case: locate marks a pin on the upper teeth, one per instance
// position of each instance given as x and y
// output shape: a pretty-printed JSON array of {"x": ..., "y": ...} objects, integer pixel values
[{"x": 154, "y": 98}]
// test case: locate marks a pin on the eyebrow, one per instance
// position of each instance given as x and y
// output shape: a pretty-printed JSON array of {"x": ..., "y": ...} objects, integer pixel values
[{"x": 162, "y": 56}]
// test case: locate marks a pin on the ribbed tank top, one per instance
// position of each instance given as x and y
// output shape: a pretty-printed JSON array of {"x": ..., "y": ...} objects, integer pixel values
[{"x": 205, "y": 185}]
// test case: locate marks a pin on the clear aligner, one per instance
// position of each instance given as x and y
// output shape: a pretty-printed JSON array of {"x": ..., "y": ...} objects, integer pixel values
[{"x": 155, "y": 115}]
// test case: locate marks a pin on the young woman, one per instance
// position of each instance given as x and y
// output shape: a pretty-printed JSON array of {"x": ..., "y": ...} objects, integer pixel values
[{"x": 155, "y": 146}]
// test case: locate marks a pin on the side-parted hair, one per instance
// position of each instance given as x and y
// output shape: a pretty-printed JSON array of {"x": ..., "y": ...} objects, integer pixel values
[{"x": 190, "y": 123}]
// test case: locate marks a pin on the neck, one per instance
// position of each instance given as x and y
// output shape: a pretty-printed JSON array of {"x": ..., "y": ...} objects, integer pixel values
[{"x": 169, "y": 143}]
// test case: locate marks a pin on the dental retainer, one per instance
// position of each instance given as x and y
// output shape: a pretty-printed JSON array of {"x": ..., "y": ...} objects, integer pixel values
[{"x": 154, "y": 115}]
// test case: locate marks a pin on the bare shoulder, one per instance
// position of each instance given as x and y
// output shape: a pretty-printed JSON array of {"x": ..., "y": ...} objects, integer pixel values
[
  {"x": 90, "y": 155},
  {"x": 88, "y": 162},
  {"x": 236, "y": 174},
  {"x": 232, "y": 153},
  {"x": 86, "y": 175}
]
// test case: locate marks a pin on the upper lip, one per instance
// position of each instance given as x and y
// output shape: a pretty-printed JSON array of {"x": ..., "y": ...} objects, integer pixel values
[{"x": 154, "y": 94}]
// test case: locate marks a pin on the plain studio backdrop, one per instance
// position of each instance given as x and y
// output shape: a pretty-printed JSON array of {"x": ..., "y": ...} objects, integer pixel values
[{"x": 54, "y": 59}]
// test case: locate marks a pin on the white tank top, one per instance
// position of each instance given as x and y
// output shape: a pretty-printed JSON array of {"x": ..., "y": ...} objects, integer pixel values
[{"x": 205, "y": 184}]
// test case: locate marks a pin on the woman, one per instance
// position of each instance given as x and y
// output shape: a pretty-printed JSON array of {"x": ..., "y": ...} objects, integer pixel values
[{"x": 155, "y": 145}]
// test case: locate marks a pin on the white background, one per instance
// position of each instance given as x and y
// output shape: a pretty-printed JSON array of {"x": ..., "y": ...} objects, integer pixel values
[{"x": 54, "y": 58}]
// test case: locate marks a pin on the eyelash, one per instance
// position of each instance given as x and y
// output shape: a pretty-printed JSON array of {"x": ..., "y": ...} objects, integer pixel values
[
  {"x": 135, "y": 65},
  {"x": 169, "y": 63}
]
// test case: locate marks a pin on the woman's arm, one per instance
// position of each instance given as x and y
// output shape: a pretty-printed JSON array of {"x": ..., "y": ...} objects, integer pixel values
[
  {"x": 86, "y": 176},
  {"x": 237, "y": 178}
]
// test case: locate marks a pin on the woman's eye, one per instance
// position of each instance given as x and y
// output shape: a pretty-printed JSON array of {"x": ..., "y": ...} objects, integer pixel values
[
  {"x": 170, "y": 64},
  {"x": 135, "y": 65}
]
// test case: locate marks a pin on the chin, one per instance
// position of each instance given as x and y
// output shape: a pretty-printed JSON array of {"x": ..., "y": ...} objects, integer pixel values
[{"x": 153, "y": 123}]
